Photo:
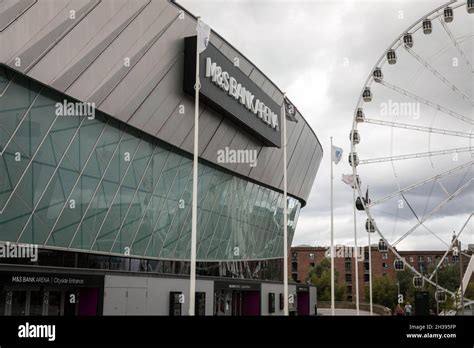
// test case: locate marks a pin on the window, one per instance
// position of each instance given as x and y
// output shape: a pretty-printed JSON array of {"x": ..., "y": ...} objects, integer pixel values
[
  {"x": 294, "y": 266},
  {"x": 349, "y": 278},
  {"x": 421, "y": 259},
  {"x": 385, "y": 265},
  {"x": 428, "y": 259},
  {"x": 312, "y": 264},
  {"x": 366, "y": 278},
  {"x": 311, "y": 256},
  {"x": 411, "y": 259},
  {"x": 384, "y": 256},
  {"x": 348, "y": 266}
]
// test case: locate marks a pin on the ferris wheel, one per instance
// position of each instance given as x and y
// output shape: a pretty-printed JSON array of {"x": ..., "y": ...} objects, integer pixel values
[{"x": 412, "y": 141}]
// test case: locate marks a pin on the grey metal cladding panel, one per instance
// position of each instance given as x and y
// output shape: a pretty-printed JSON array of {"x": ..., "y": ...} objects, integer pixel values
[
  {"x": 268, "y": 87},
  {"x": 55, "y": 31},
  {"x": 216, "y": 40},
  {"x": 300, "y": 160},
  {"x": 278, "y": 96},
  {"x": 209, "y": 121},
  {"x": 150, "y": 116},
  {"x": 303, "y": 169},
  {"x": 222, "y": 137},
  {"x": 135, "y": 59},
  {"x": 272, "y": 172},
  {"x": 243, "y": 64},
  {"x": 10, "y": 10},
  {"x": 257, "y": 77},
  {"x": 253, "y": 144},
  {"x": 239, "y": 142},
  {"x": 311, "y": 174},
  {"x": 150, "y": 67},
  {"x": 27, "y": 26},
  {"x": 112, "y": 59},
  {"x": 97, "y": 37}
]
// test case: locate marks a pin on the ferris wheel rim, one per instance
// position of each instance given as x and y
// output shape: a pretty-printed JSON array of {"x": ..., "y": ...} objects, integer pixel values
[{"x": 379, "y": 64}]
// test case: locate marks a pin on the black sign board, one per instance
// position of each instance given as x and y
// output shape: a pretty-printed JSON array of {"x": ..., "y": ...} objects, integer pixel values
[
  {"x": 175, "y": 304},
  {"x": 302, "y": 288},
  {"x": 229, "y": 91},
  {"x": 51, "y": 279},
  {"x": 229, "y": 285},
  {"x": 271, "y": 302},
  {"x": 422, "y": 303}
]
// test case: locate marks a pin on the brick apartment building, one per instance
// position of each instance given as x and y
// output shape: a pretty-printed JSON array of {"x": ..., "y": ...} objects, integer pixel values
[{"x": 303, "y": 257}]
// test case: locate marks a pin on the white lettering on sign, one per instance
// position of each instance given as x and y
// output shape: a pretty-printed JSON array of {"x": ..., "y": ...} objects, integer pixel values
[{"x": 223, "y": 80}]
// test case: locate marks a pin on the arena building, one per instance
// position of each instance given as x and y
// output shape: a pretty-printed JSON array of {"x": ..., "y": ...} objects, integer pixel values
[{"x": 96, "y": 143}]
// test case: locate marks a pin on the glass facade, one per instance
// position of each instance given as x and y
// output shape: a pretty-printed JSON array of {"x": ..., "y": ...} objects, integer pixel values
[{"x": 102, "y": 186}]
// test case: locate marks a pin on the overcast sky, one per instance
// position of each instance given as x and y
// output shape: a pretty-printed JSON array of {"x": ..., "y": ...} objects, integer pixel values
[{"x": 320, "y": 53}]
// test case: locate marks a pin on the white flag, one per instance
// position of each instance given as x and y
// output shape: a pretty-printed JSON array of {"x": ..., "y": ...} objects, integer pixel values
[
  {"x": 349, "y": 180},
  {"x": 336, "y": 154},
  {"x": 203, "y": 34}
]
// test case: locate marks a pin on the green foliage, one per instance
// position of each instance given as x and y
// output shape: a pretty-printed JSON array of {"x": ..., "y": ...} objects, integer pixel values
[
  {"x": 384, "y": 291},
  {"x": 320, "y": 276}
]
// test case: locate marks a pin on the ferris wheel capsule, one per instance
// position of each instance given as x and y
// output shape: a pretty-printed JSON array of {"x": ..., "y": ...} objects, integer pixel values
[
  {"x": 427, "y": 26},
  {"x": 470, "y": 6},
  {"x": 418, "y": 282},
  {"x": 399, "y": 265},
  {"x": 391, "y": 57},
  {"x": 440, "y": 296},
  {"x": 378, "y": 75},
  {"x": 367, "y": 94},
  {"x": 448, "y": 14},
  {"x": 408, "y": 40},
  {"x": 360, "y": 115},
  {"x": 382, "y": 246},
  {"x": 354, "y": 136},
  {"x": 370, "y": 225},
  {"x": 356, "y": 159}
]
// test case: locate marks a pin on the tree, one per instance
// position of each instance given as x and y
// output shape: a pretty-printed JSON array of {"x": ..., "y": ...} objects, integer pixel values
[
  {"x": 384, "y": 291},
  {"x": 320, "y": 276}
]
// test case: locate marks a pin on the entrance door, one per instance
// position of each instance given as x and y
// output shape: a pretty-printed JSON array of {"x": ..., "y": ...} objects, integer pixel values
[
  {"x": 303, "y": 303},
  {"x": 54, "y": 303},
  {"x": 3, "y": 299},
  {"x": 36, "y": 302},
  {"x": 18, "y": 302}
]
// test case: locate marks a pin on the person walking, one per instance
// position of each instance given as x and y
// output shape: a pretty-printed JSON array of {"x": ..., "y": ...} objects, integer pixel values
[
  {"x": 399, "y": 310},
  {"x": 408, "y": 309}
]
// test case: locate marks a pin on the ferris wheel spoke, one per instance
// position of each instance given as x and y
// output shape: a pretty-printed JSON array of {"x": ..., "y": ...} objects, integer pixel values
[
  {"x": 434, "y": 210},
  {"x": 416, "y": 155},
  {"x": 426, "y": 102},
  {"x": 456, "y": 44},
  {"x": 450, "y": 247},
  {"x": 435, "y": 72},
  {"x": 420, "y": 183},
  {"x": 419, "y": 128}
]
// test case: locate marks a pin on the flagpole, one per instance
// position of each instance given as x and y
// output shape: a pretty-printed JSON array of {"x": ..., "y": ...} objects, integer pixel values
[
  {"x": 192, "y": 283},
  {"x": 356, "y": 249},
  {"x": 370, "y": 277},
  {"x": 285, "y": 218},
  {"x": 332, "y": 235}
]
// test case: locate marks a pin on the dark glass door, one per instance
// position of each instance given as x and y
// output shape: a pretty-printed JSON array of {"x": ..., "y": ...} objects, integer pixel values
[
  {"x": 36, "y": 302},
  {"x": 18, "y": 306},
  {"x": 3, "y": 298},
  {"x": 54, "y": 303}
]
